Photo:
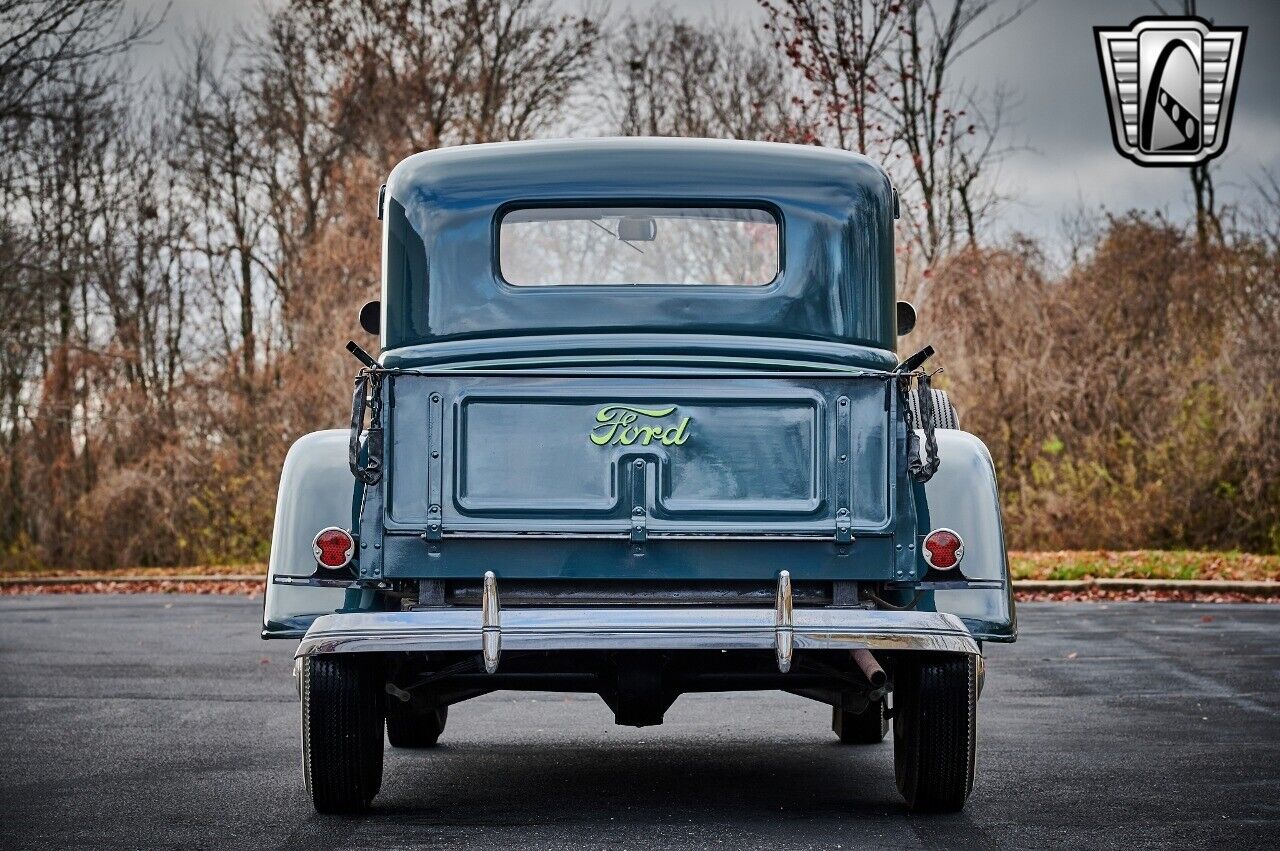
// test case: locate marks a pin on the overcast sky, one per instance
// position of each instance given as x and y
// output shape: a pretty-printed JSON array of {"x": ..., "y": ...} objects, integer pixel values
[{"x": 1047, "y": 61}]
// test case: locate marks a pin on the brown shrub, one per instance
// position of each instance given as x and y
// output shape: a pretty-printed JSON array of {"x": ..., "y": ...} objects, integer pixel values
[{"x": 1128, "y": 401}]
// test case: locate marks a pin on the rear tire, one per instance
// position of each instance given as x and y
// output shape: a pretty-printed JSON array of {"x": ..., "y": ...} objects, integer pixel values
[
  {"x": 867, "y": 727},
  {"x": 408, "y": 728},
  {"x": 342, "y": 712},
  {"x": 934, "y": 730}
]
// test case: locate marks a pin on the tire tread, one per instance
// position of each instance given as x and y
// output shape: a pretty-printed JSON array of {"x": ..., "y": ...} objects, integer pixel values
[
  {"x": 934, "y": 730},
  {"x": 341, "y": 733}
]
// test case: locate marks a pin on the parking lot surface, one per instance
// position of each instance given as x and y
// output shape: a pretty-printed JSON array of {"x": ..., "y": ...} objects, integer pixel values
[{"x": 164, "y": 722}]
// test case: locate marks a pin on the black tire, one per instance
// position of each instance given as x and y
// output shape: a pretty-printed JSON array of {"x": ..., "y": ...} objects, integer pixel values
[
  {"x": 944, "y": 413},
  {"x": 342, "y": 711},
  {"x": 868, "y": 727},
  {"x": 408, "y": 728},
  {"x": 935, "y": 702}
]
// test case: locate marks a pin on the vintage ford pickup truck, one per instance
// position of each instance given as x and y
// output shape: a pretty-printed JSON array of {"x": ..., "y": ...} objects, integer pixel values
[{"x": 638, "y": 428}]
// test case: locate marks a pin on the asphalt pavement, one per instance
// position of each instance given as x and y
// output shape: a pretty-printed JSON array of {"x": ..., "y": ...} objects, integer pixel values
[{"x": 164, "y": 722}]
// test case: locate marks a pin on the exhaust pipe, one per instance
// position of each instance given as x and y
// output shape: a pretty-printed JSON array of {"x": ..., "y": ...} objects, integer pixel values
[{"x": 870, "y": 668}]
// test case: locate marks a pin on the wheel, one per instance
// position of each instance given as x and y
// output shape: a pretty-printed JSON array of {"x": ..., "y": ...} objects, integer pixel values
[
  {"x": 935, "y": 702},
  {"x": 408, "y": 728},
  {"x": 341, "y": 732},
  {"x": 944, "y": 413},
  {"x": 867, "y": 727}
]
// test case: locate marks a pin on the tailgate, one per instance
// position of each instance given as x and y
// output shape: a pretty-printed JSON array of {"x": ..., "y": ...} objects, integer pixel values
[{"x": 652, "y": 458}]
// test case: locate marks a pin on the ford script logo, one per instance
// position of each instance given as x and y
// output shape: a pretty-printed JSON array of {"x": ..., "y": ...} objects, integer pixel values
[{"x": 623, "y": 425}]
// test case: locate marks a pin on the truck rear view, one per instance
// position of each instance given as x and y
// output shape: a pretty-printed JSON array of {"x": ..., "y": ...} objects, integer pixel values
[{"x": 639, "y": 429}]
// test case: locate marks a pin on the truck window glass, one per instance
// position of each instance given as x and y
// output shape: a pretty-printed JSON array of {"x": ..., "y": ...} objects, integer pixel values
[{"x": 639, "y": 246}]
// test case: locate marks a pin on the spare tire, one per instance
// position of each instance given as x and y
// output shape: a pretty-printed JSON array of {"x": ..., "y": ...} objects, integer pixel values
[{"x": 944, "y": 413}]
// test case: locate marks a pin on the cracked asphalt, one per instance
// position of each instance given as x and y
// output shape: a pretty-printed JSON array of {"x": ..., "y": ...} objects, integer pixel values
[{"x": 164, "y": 722}]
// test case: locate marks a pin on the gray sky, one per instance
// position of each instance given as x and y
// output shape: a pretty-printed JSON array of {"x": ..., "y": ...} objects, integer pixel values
[{"x": 1046, "y": 60}]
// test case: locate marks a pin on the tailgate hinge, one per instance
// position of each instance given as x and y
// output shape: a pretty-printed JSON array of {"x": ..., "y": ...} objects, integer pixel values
[
  {"x": 435, "y": 474},
  {"x": 844, "y": 475}
]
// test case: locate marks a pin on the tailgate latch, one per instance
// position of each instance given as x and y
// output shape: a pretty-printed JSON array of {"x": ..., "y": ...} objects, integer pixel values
[
  {"x": 639, "y": 529},
  {"x": 844, "y": 527}
]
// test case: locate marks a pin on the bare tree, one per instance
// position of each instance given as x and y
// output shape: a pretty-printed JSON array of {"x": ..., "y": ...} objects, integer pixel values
[
  {"x": 433, "y": 72},
  {"x": 839, "y": 47},
  {"x": 44, "y": 42},
  {"x": 66, "y": 157},
  {"x": 308, "y": 123},
  {"x": 20, "y": 306},
  {"x": 948, "y": 144},
  {"x": 144, "y": 286},
  {"x": 55, "y": 76},
  {"x": 882, "y": 77},
  {"x": 669, "y": 76},
  {"x": 223, "y": 170}
]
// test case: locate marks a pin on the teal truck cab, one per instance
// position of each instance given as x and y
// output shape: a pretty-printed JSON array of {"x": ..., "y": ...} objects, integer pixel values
[{"x": 639, "y": 428}]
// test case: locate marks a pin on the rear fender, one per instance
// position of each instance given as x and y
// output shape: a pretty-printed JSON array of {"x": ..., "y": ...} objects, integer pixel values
[
  {"x": 962, "y": 496},
  {"x": 316, "y": 490}
]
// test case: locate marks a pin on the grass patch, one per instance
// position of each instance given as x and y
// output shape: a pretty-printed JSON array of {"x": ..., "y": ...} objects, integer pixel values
[
  {"x": 1144, "y": 564},
  {"x": 258, "y": 569}
]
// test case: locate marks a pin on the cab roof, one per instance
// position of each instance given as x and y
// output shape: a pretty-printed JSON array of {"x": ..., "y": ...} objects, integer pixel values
[{"x": 633, "y": 167}]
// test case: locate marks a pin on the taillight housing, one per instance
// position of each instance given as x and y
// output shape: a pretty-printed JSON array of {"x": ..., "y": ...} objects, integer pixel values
[
  {"x": 942, "y": 549},
  {"x": 333, "y": 547}
]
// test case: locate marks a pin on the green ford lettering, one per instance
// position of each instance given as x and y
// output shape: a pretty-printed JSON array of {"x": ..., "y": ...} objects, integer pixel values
[{"x": 617, "y": 426}]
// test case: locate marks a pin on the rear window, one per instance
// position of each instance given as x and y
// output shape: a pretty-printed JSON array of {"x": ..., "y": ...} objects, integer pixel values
[{"x": 639, "y": 246}]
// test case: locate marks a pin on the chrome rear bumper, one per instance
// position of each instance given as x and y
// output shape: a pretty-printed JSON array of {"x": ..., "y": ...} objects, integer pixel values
[{"x": 781, "y": 629}]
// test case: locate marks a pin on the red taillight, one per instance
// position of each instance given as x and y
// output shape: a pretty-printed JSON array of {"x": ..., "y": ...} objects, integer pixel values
[
  {"x": 942, "y": 549},
  {"x": 333, "y": 547}
]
